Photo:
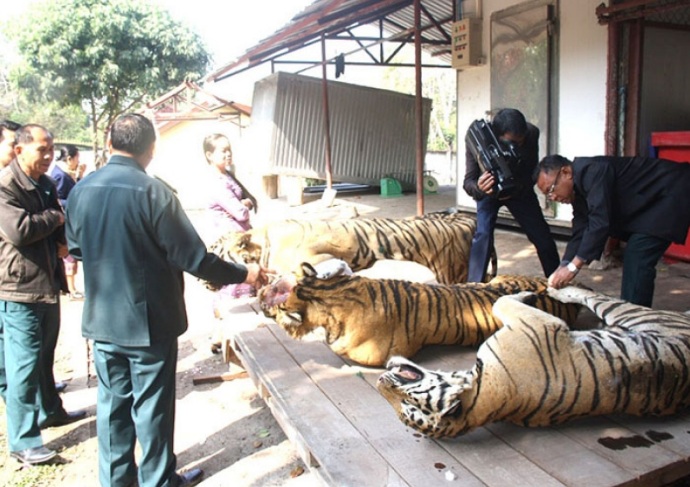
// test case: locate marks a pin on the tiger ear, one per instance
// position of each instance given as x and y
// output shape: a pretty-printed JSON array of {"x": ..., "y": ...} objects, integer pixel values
[
  {"x": 308, "y": 270},
  {"x": 459, "y": 382},
  {"x": 243, "y": 240}
]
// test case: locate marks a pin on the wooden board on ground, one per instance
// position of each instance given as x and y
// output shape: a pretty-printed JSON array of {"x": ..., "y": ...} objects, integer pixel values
[{"x": 349, "y": 435}]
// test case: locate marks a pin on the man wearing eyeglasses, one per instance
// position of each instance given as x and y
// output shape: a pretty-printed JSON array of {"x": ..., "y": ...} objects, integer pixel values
[
  {"x": 510, "y": 127},
  {"x": 643, "y": 201}
]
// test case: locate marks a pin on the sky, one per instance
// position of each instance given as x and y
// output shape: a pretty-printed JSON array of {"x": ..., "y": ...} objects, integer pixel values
[{"x": 228, "y": 27}]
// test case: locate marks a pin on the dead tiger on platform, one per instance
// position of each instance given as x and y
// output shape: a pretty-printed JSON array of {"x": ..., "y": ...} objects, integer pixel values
[
  {"x": 372, "y": 320},
  {"x": 535, "y": 372},
  {"x": 439, "y": 241}
]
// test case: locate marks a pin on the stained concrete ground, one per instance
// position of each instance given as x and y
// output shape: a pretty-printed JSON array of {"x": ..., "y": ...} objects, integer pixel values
[{"x": 224, "y": 427}]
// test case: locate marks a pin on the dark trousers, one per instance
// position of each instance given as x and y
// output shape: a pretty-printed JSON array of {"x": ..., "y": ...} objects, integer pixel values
[
  {"x": 136, "y": 401},
  {"x": 642, "y": 253},
  {"x": 30, "y": 333},
  {"x": 525, "y": 208}
]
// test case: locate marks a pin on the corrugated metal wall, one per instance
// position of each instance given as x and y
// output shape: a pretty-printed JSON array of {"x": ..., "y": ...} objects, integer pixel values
[{"x": 372, "y": 130}]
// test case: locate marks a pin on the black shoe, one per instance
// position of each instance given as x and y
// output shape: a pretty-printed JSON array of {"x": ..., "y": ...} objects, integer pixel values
[
  {"x": 62, "y": 419},
  {"x": 60, "y": 386},
  {"x": 33, "y": 456},
  {"x": 190, "y": 477}
]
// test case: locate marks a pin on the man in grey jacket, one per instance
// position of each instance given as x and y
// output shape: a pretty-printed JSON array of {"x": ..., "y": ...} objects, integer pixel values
[
  {"x": 135, "y": 241},
  {"x": 31, "y": 242},
  {"x": 643, "y": 201}
]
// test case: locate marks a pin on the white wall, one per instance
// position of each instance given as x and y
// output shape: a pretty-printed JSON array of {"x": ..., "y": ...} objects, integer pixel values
[
  {"x": 180, "y": 161},
  {"x": 581, "y": 85}
]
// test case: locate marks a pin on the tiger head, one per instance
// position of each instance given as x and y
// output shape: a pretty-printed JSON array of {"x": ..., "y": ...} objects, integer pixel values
[
  {"x": 431, "y": 402},
  {"x": 288, "y": 298},
  {"x": 238, "y": 247}
]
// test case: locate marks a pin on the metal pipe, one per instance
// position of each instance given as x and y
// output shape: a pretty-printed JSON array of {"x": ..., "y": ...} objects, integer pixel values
[
  {"x": 326, "y": 115},
  {"x": 418, "y": 107}
]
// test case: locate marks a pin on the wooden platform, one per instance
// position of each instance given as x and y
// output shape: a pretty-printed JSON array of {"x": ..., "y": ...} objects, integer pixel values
[{"x": 348, "y": 435}]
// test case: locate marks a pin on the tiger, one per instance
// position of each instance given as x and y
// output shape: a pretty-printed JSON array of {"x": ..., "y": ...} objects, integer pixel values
[
  {"x": 372, "y": 320},
  {"x": 440, "y": 241},
  {"x": 536, "y": 372}
]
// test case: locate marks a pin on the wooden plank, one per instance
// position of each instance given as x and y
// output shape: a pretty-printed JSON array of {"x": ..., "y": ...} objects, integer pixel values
[
  {"x": 670, "y": 433},
  {"x": 566, "y": 466},
  {"x": 212, "y": 379},
  {"x": 588, "y": 432},
  {"x": 499, "y": 454},
  {"x": 314, "y": 425},
  {"x": 486, "y": 456},
  {"x": 420, "y": 461},
  {"x": 495, "y": 462},
  {"x": 562, "y": 457},
  {"x": 651, "y": 468}
]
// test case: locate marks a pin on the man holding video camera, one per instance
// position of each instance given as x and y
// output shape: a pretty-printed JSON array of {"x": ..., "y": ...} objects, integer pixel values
[{"x": 511, "y": 129}]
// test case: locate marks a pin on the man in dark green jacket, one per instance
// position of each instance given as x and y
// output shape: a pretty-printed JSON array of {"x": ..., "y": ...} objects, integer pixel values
[{"x": 135, "y": 241}]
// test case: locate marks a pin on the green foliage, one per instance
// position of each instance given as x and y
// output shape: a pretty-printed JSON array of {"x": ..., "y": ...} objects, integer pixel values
[
  {"x": 67, "y": 123},
  {"x": 103, "y": 55},
  {"x": 439, "y": 86}
]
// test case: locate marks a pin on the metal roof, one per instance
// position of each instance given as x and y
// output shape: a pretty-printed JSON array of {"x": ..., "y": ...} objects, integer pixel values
[{"x": 336, "y": 19}]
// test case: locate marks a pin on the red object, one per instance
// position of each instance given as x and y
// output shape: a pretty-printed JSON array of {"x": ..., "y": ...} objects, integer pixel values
[{"x": 674, "y": 146}]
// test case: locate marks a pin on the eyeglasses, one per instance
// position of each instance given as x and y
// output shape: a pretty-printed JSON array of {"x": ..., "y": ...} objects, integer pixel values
[{"x": 553, "y": 186}]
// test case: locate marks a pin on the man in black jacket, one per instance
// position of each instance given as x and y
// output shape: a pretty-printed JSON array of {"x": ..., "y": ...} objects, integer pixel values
[
  {"x": 509, "y": 125},
  {"x": 645, "y": 202},
  {"x": 31, "y": 242}
]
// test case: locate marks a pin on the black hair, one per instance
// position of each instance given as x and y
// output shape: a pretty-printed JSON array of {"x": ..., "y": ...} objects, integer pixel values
[
  {"x": 550, "y": 164},
  {"x": 211, "y": 141},
  {"x": 8, "y": 125},
  {"x": 24, "y": 135},
  {"x": 509, "y": 120},
  {"x": 132, "y": 133},
  {"x": 66, "y": 151}
]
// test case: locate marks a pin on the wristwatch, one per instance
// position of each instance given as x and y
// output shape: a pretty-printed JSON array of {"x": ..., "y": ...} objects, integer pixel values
[{"x": 573, "y": 268}]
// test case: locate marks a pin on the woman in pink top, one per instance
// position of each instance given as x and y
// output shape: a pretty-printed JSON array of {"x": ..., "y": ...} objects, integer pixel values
[
  {"x": 229, "y": 202},
  {"x": 229, "y": 205}
]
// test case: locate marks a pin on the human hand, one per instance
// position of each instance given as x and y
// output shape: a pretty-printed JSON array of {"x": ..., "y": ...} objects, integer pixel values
[
  {"x": 486, "y": 182},
  {"x": 257, "y": 276},
  {"x": 248, "y": 203},
  {"x": 561, "y": 277},
  {"x": 59, "y": 214},
  {"x": 62, "y": 251}
]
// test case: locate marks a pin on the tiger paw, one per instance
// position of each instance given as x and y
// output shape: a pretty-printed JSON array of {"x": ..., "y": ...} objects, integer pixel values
[{"x": 569, "y": 294}]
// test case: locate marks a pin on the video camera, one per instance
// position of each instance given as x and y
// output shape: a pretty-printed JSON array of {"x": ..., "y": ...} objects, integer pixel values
[{"x": 493, "y": 156}]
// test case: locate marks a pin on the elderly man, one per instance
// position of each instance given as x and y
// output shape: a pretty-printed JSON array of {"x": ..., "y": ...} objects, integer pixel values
[
  {"x": 643, "y": 201},
  {"x": 31, "y": 242},
  {"x": 135, "y": 240}
]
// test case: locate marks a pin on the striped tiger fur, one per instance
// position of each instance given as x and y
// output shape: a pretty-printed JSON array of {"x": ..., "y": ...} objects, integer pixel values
[
  {"x": 535, "y": 372},
  {"x": 439, "y": 241},
  {"x": 371, "y": 320}
]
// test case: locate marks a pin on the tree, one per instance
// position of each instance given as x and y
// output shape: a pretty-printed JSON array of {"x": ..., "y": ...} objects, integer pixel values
[{"x": 103, "y": 55}]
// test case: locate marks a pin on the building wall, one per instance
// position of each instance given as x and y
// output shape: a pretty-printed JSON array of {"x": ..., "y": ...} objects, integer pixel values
[
  {"x": 179, "y": 158},
  {"x": 580, "y": 98}
]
